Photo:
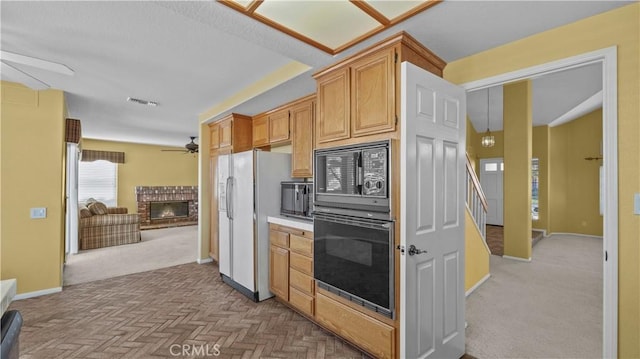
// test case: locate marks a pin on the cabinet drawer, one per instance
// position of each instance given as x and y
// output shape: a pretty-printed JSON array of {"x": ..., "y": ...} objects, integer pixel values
[
  {"x": 301, "y": 245},
  {"x": 371, "y": 335},
  {"x": 279, "y": 239},
  {"x": 301, "y": 301},
  {"x": 301, "y": 281},
  {"x": 301, "y": 263}
]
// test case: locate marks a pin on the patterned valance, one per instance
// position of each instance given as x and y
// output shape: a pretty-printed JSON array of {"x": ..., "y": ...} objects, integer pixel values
[
  {"x": 90, "y": 156},
  {"x": 73, "y": 132}
]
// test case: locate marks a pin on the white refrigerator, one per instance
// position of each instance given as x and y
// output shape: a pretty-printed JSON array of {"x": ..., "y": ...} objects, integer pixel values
[{"x": 248, "y": 192}]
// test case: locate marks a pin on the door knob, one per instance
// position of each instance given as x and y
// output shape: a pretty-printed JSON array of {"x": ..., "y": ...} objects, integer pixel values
[{"x": 413, "y": 250}]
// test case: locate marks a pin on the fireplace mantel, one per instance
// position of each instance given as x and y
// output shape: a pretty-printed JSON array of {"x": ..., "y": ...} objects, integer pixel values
[{"x": 147, "y": 194}]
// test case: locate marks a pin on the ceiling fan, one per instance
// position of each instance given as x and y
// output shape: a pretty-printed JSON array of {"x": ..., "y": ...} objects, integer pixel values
[
  {"x": 12, "y": 73},
  {"x": 190, "y": 147}
]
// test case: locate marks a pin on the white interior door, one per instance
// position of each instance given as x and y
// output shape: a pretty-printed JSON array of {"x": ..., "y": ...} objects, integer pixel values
[
  {"x": 432, "y": 216},
  {"x": 224, "y": 223},
  {"x": 491, "y": 180}
]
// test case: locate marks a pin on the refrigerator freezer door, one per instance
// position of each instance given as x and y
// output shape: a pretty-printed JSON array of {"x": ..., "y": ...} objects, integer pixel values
[
  {"x": 243, "y": 248},
  {"x": 224, "y": 224}
]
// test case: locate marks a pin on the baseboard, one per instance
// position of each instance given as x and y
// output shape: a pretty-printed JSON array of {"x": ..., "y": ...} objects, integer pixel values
[
  {"x": 475, "y": 286},
  {"x": 204, "y": 260},
  {"x": 574, "y": 234},
  {"x": 37, "y": 293},
  {"x": 518, "y": 258}
]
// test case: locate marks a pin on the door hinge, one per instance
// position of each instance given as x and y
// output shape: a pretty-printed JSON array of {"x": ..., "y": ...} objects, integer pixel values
[
  {"x": 400, "y": 248},
  {"x": 395, "y": 58},
  {"x": 606, "y": 256},
  {"x": 396, "y": 120}
]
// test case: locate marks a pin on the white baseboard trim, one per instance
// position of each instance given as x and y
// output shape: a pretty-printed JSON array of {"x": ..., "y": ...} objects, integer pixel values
[
  {"x": 204, "y": 260},
  {"x": 475, "y": 286},
  {"x": 574, "y": 234},
  {"x": 517, "y": 258},
  {"x": 37, "y": 293}
]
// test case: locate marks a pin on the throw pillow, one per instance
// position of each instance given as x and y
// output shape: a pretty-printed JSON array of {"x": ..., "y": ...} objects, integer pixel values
[
  {"x": 98, "y": 208},
  {"x": 85, "y": 212}
]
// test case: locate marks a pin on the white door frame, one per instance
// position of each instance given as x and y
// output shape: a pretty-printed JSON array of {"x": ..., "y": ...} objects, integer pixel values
[{"x": 608, "y": 58}]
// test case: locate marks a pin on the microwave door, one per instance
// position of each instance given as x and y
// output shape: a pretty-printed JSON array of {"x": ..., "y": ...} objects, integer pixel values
[{"x": 288, "y": 199}]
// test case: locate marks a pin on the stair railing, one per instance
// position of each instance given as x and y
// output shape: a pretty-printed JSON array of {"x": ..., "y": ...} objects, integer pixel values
[{"x": 476, "y": 201}]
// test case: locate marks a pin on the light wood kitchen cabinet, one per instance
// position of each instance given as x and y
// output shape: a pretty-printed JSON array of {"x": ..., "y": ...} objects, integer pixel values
[
  {"x": 302, "y": 140},
  {"x": 260, "y": 131},
  {"x": 235, "y": 132},
  {"x": 214, "y": 248},
  {"x": 279, "y": 271},
  {"x": 279, "y": 126},
  {"x": 214, "y": 136},
  {"x": 333, "y": 91},
  {"x": 294, "y": 284},
  {"x": 373, "y": 94},
  {"x": 358, "y": 98}
]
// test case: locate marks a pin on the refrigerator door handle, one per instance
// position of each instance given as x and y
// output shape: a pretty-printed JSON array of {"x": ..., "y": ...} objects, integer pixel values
[
  {"x": 227, "y": 199},
  {"x": 230, "y": 198}
]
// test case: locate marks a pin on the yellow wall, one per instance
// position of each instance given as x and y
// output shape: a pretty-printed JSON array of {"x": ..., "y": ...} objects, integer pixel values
[
  {"x": 517, "y": 174},
  {"x": 147, "y": 165},
  {"x": 32, "y": 152},
  {"x": 575, "y": 185},
  {"x": 620, "y": 28},
  {"x": 476, "y": 256}
]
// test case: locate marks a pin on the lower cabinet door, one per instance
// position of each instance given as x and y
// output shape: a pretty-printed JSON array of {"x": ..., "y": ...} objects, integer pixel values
[
  {"x": 279, "y": 272},
  {"x": 301, "y": 301},
  {"x": 375, "y": 337}
]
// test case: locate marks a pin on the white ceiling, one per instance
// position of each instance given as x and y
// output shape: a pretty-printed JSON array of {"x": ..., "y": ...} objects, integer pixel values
[
  {"x": 190, "y": 56},
  {"x": 553, "y": 97}
]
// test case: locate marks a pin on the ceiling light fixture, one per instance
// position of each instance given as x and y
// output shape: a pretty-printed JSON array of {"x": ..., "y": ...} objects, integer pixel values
[
  {"x": 142, "y": 102},
  {"x": 488, "y": 140}
]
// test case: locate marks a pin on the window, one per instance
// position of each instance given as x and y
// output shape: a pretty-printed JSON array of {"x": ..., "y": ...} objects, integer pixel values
[
  {"x": 490, "y": 167},
  {"x": 99, "y": 180},
  {"x": 534, "y": 188}
]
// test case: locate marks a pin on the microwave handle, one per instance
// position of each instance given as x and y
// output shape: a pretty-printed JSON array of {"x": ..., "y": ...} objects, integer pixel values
[{"x": 359, "y": 172}]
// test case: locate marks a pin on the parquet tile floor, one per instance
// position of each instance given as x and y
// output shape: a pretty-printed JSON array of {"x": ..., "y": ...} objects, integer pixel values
[{"x": 145, "y": 315}]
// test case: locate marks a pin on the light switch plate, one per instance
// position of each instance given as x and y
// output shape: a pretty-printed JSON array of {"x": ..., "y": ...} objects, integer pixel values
[
  {"x": 636, "y": 203},
  {"x": 39, "y": 212}
]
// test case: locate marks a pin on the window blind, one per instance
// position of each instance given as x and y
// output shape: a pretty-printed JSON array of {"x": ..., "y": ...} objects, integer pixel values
[{"x": 99, "y": 180}]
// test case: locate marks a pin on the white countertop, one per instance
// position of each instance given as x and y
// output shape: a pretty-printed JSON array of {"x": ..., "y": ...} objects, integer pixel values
[
  {"x": 291, "y": 222},
  {"x": 8, "y": 290}
]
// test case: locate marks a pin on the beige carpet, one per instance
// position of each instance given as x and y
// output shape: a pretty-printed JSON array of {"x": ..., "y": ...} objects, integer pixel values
[
  {"x": 159, "y": 248},
  {"x": 548, "y": 308}
]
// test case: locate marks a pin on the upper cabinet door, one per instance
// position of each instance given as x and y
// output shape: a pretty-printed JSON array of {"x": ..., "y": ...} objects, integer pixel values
[
  {"x": 373, "y": 99},
  {"x": 333, "y": 106},
  {"x": 226, "y": 134},
  {"x": 279, "y": 126},
  {"x": 260, "y": 131},
  {"x": 302, "y": 140},
  {"x": 214, "y": 136}
]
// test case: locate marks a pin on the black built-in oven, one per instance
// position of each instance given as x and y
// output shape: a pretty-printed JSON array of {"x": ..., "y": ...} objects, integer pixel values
[
  {"x": 353, "y": 229},
  {"x": 353, "y": 258}
]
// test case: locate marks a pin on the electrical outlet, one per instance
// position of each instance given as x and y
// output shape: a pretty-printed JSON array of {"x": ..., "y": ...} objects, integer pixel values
[
  {"x": 636, "y": 203},
  {"x": 39, "y": 212}
]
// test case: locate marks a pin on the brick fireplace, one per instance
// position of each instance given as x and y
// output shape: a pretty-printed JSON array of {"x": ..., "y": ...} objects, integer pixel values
[{"x": 167, "y": 206}]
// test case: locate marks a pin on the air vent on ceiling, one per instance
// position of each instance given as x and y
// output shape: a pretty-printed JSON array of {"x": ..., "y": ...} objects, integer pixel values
[{"x": 142, "y": 102}]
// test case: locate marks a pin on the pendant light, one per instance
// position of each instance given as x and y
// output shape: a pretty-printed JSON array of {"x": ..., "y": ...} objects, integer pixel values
[{"x": 488, "y": 140}]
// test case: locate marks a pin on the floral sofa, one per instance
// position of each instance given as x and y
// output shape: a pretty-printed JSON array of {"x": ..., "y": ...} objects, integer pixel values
[{"x": 102, "y": 226}]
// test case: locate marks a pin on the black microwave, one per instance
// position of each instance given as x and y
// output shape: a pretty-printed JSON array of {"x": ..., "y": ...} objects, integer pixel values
[
  {"x": 296, "y": 199},
  {"x": 353, "y": 177}
]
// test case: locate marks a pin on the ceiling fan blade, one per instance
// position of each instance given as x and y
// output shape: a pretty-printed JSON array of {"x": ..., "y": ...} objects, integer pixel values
[
  {"x": 174, "y": 151},
  {"x": 35, "y": 62},
  {"x": 16, "y": 75}
]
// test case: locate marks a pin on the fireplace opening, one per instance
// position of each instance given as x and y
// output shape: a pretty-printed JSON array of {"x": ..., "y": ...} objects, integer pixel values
[{"x": 169, "y": 209}]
